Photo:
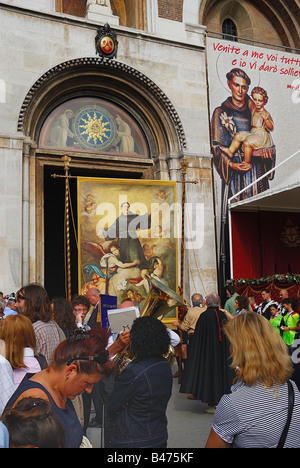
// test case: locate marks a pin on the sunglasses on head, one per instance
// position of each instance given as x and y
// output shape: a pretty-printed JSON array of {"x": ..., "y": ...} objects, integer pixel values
[{"x": 102, "y": 358}]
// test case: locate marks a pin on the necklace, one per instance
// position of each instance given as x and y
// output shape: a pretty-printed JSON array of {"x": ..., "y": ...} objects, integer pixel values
[{"x": 62, "y": 397}]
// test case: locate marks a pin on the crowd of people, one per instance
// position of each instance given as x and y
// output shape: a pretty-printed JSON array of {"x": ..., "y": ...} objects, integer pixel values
[
  {"x": 284, "y": 315},
  {"x": 240, "y": 362},
  {"x": 57, "y": 359}
]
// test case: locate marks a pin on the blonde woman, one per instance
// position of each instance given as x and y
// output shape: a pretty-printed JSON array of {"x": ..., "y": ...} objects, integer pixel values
[{"x": 255, "y": 412}]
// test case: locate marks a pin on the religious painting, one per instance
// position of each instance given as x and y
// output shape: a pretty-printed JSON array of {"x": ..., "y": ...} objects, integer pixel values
[
  {"x": 127, "y": 233},
  {"x": 94, "y": 126},
  {"x": 254, "y": 108}
]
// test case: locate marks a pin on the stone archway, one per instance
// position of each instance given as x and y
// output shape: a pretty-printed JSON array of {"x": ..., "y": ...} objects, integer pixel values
[
  {"x": 114, "y": 81},
  {"x": 110, "y": 77}
]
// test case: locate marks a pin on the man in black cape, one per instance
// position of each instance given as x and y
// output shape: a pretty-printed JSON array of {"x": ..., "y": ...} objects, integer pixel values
[{"x": 207, "y": 374}]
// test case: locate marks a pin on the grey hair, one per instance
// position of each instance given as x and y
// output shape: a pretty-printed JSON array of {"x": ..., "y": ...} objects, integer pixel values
[{"x": 213, "y": 300}]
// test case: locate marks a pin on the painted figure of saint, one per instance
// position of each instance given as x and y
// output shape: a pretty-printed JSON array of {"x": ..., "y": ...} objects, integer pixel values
[
  {"x": 125, "y": 229},
  {"x": 125, "y": 139},
  {"x": 60, "y": 129},
  {"x": 261, "y": 125}
]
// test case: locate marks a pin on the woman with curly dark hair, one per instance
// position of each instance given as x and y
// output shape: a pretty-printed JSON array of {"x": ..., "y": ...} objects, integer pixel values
[
  {"x": 148, "y": 338},
  {"x": 241, "y": 304},
  {"x": 80, "y": 308},
  {"x": 140, "y": 396},
  {"x": 63, "y": 315}
]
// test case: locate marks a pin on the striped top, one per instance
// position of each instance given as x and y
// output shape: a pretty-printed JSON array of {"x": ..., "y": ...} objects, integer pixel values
[{"x": 254, "y": 417}]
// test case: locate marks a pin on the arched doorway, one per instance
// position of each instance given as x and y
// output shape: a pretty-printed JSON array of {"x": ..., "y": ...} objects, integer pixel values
[{"x": 122, "y": 94}]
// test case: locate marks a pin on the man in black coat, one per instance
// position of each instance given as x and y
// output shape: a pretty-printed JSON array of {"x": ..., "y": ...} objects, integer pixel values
[{"x": 207, "y": 374}]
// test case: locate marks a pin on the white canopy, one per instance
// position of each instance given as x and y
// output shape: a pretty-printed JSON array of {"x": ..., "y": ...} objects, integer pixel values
[{"x": 282, "y": 197}]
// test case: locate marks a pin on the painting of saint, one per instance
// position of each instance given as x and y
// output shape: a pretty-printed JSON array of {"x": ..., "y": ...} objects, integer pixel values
[
  {"x": 235, "y": 116},
  {"x": 60, "y": 130},
  {"x": 243, "y": 149},
  {"x": 125, "y": 229},
  {"x": 252, "y": 97},
  {"x": 122, "y": 240},
  {"x": 124, "y": 140}
]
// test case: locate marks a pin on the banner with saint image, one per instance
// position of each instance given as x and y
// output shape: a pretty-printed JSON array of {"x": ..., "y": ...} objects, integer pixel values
[{"x": 127, "y": 230}]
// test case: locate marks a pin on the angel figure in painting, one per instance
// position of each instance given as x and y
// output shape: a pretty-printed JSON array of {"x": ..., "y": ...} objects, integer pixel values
[
  {"x": 108, "y": 263},
  {"x": 157, "y": 273}
]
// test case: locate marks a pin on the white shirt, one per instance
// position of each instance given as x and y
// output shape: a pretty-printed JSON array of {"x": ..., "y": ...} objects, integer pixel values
[
  {"x": 32, "y": 366},
  {"x": 174, "y": 337},
  {"x": 7, "y": 387}
]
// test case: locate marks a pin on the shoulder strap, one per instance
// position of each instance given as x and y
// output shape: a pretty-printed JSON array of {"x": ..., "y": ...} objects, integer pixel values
[
  {"x": 291, "y": 397},
  {"x": 41, "y": 360},
  {"x": 26, "y": 384}
]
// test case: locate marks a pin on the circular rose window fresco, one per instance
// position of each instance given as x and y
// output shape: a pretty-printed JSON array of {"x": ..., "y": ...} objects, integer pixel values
[{"x": 93, "y": 125}]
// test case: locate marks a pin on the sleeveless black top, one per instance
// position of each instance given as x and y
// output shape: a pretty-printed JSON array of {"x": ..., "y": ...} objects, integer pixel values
[{"x": 67, "y": 416}]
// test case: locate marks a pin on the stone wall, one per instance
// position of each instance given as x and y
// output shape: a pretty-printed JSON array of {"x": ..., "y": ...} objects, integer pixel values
[{"x": 32, "y": 43}]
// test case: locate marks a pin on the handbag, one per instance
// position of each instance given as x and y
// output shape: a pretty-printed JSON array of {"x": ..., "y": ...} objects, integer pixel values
[{"x": 291, "y": 398}]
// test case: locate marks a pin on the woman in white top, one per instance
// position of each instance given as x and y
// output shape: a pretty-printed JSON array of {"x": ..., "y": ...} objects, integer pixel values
[
  {"x": 18, "y": 346},
  {"x": 254, "y": 414}
]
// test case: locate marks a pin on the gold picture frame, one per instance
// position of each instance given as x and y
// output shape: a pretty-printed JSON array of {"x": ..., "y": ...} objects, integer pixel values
[{"x": 127, "y": 229}]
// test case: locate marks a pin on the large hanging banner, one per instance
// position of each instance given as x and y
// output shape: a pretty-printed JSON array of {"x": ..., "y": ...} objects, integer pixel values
[
  {"x": 254, "y": 102},
  {"x": 126, "y": 230}
]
